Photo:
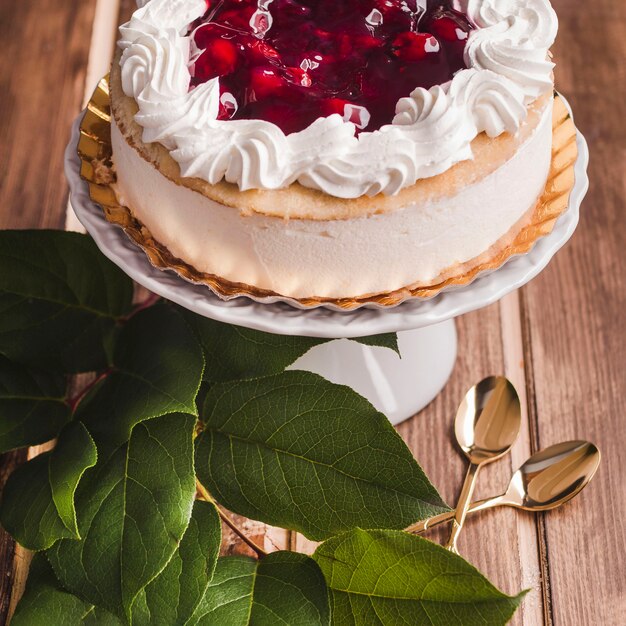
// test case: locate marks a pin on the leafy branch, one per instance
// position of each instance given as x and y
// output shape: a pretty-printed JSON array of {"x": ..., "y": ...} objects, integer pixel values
[
  {"x": 150, "y": 300},
  {"x": 184, "y": 415},
  {"x": 207, "y": 497},
  {"x": 84, "y": 392}
]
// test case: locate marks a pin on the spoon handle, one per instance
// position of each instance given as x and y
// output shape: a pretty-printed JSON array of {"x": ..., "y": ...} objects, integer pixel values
[
  {"x": 462, "y": 506},
  {"x": 442, "y": 518}
]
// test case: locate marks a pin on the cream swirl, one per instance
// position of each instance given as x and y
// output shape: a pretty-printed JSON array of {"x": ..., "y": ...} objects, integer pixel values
[
  {"x": 433, "y": 129},
  {"x": 513, "y": 40}
]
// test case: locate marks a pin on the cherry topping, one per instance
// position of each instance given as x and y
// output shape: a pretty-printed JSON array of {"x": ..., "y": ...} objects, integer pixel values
[
  {"x": 228, "y": 106},
  {"x": 448, "y": 29},
  {"x": 265, "y": 82},
  {"x": 292, "y": 61},
  {"x": 218, "y": 59},
  {"x": 410, "y": 46}
]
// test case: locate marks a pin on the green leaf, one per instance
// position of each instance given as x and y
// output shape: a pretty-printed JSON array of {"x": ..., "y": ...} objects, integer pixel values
[
  {"x": 283, "y": 588},
  {"x": 27, "y": 510},
  {"x": 289, "y": 589},
  {"x": 157, "y": 369},
  {"x": 60, "y": 299},
  {"x": 236, "y": 353},
  {"x": 73, "y": 455},
  {"x": 38, "y": 500},
  {"x": 133, "y": 509},
  {"x": 228, "y": 600},
  {"x": 32, "y": 405},
  {"x": 46, "y": 603},
  {"x": 391, "y": 577},
  {"x": 175, "y": 594},
  {"x": 297, "y": 451},
  {"x": 389, "y": 340}
]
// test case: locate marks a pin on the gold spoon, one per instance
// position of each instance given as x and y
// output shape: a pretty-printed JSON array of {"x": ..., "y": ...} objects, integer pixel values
[
  {"x": 547, "y": 480},
  {"x": 487, "y": 425}
]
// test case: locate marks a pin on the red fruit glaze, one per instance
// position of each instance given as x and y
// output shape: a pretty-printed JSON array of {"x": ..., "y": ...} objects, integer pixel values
[
  {"x": 220, "y": 58},
  {"x": 413, "y": 47},
  {"x": 297, "y": 60}
]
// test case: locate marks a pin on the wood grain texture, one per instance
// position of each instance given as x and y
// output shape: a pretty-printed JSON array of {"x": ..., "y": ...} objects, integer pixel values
[
  {"x": 126, "y": 10},
  {"x": 42, "y": 70},
  {"x": 574, "y": 327},
  {"x": 492, "y": 540},
  {"x": 561, "y": 339}
]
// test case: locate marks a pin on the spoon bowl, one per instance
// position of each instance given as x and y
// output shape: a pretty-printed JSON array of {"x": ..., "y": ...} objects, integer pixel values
[
  {"x": 488, "y": 420},
  {"x": 553, "y": 476}
]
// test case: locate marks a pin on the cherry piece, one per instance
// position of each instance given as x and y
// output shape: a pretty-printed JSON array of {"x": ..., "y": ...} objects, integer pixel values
[
  {"x": 265, "y": 82},
  {"x": 448, "y": 28},
  {"x": 218, "y": 59},
  {"x": 412, "y": 47},
  {"x": 228, "y": 106},
  {"x": 292, "y": 61}
]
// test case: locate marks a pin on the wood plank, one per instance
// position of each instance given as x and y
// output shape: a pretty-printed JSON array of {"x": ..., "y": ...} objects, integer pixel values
[
  {"x": 126, "y": 10},
  {"x": 500, "y": 543},
  {"x": 574, "y": 327},
  {"x": 38, "y": 101},
  {"x": 42, "y": 76},
  {"x": 530, "y": 547}
]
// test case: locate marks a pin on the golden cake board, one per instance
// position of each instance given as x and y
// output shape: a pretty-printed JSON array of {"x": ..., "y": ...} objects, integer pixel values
[{"x": 94, "y": 150}]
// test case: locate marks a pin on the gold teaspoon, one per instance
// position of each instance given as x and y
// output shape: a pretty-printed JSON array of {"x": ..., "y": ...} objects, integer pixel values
[
  {"x": 548, "y": 479},
  {"x": 487, "y": 425}
]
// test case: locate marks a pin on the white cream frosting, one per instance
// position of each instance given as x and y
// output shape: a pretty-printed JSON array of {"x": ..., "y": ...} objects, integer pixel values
[{"x": 509, "y": 67}]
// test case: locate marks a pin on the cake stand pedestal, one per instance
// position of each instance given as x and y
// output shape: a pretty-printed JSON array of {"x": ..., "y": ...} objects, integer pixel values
[{"x": 399, "y": 387}]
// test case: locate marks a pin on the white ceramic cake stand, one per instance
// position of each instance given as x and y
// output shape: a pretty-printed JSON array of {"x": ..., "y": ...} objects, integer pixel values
[{"x": 426, "y": 331}]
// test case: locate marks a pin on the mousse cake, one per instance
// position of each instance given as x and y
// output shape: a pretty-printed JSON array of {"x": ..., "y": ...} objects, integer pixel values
[{"x": 333, "y": 149}]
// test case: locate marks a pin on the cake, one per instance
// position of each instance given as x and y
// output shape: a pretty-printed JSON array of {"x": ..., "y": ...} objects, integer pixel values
[{"x": 333, "y": 149}]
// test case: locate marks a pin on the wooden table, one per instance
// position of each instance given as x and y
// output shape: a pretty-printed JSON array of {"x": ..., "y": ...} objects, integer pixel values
[{"x": 561, "y": 338}]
